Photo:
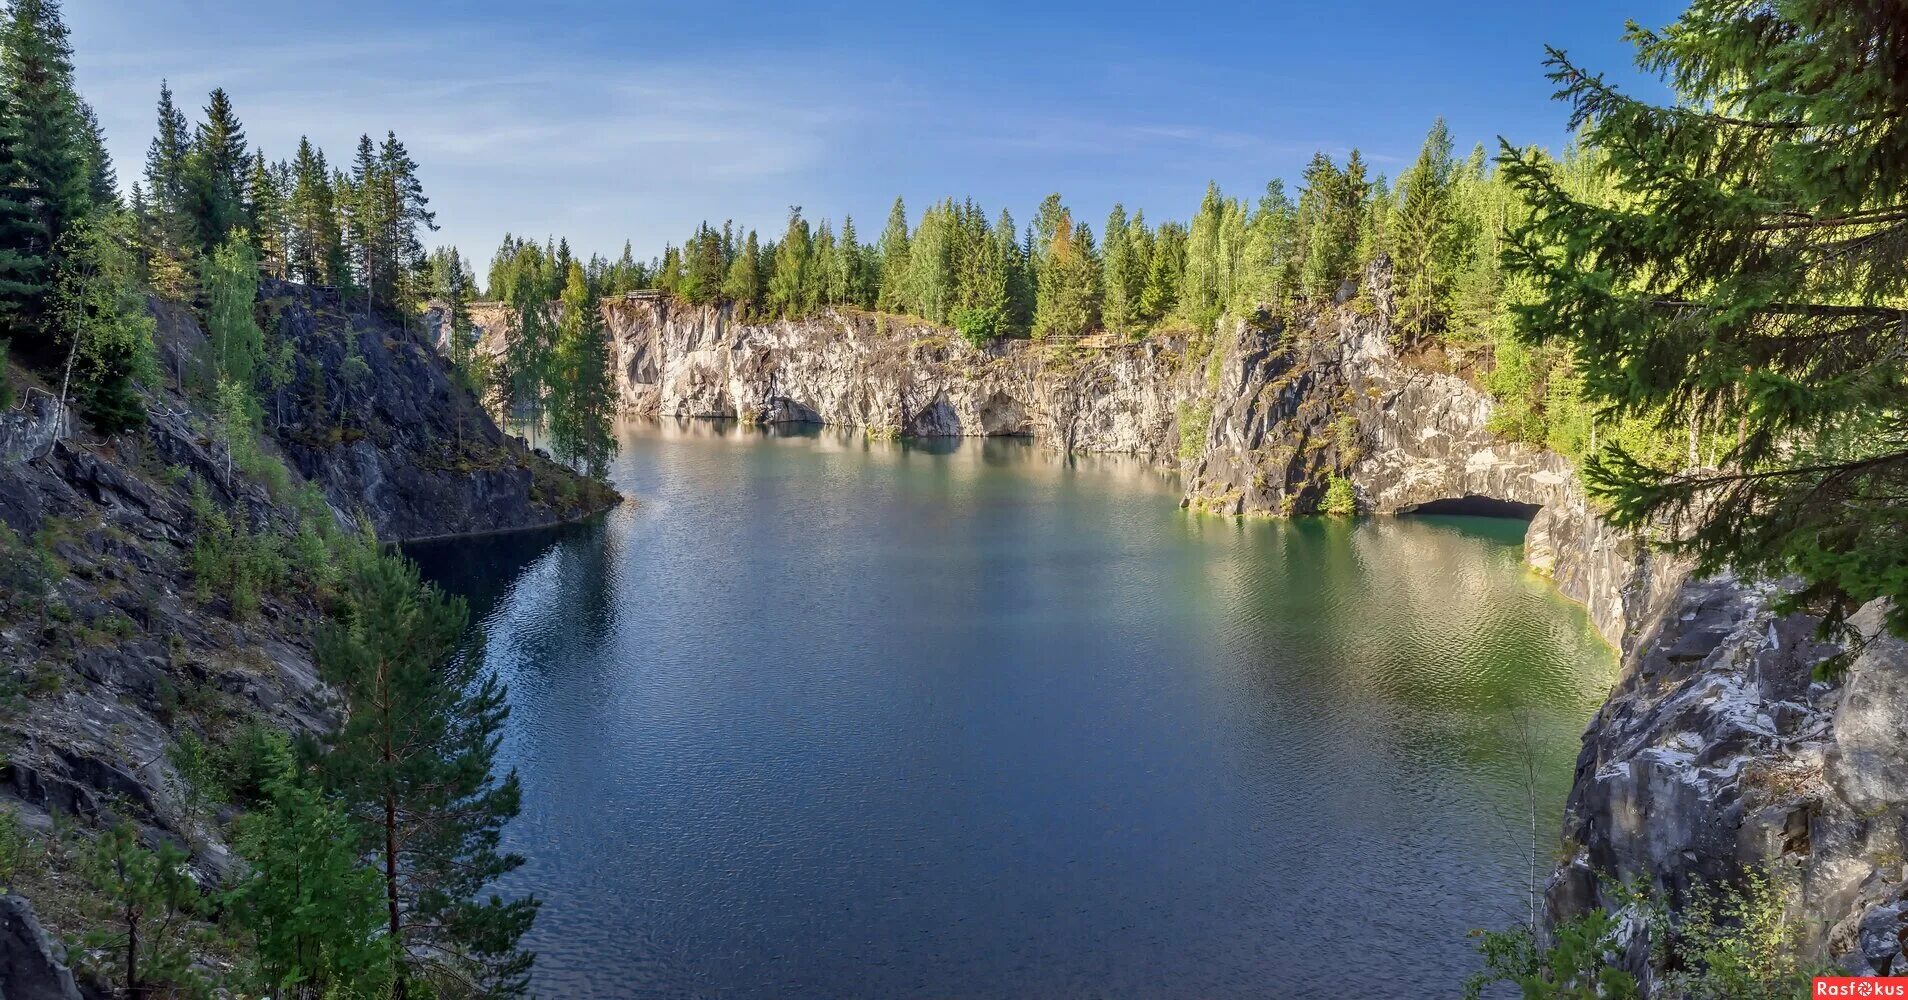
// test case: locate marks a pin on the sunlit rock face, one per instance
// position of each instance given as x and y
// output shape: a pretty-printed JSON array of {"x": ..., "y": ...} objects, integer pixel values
[
  {"x": 1257, "y": 418},
  {"x": 853, "y": 369},
  {"x": 1720, "y": 750}
]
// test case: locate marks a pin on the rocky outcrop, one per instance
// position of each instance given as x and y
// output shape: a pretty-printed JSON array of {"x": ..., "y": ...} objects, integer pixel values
[
  {"x": 28, "y": 429},
  {"x": 32, "y": 965},
  {"x": 114, "y": 653},
  {"x": 1720, "y": 750},
  {"x": 856, "y": 369},
  {"x": 1330, "y": 396},
  {"x": 373, "y": 416}
]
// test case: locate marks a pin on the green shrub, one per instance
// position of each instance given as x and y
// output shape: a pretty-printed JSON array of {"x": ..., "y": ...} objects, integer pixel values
[
  {"x": 978, "y": 325},
  {"x": 1341, "y": 500},
  {"x": 1192, "y": 429},
  {"x": 228, "y": 555},
  {"x": 27, "y": 573},
  {"x": 145, "y": 910},
  {"x": 1726, "y": 943}
]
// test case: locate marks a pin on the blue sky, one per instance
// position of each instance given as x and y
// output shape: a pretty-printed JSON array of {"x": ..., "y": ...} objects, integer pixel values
[{"x": 605, "y": 121}]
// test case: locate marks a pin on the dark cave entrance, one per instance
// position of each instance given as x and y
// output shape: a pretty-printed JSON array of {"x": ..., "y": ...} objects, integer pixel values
[{"x": 1475, "y": 505}]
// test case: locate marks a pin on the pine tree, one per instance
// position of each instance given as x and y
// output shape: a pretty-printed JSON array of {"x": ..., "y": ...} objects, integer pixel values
[
  {"x": 582, "y": 393},
  {"x": 216, "y": 171},
  {"x": 146, "y": 905},
  {"x": 414, "y": 763},
  {"x": 315, "y": 915},
  {"x": 894, "y": 260},
  {"x": 49, "y": 144},
  {"x": 1750, "y": 281},
  {"x": 788, "y": 281},
  {"x": 364, "y": 213},
  {"x": 406, "y": 217},
  {"x": 1422, "y": 237}
]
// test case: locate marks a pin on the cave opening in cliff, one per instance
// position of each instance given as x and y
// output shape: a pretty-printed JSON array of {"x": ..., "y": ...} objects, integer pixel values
[{"x": 1476, "y": 505}]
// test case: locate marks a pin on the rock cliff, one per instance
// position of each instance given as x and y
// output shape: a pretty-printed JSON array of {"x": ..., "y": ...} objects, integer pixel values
[
  {"x": 113, "y": 651},
  {"x": 856, "y": 369},
  {"x": 374, "y": 418},
  {"x": 1720, "y": 750},
  {"x": 1256, "y": 419}
]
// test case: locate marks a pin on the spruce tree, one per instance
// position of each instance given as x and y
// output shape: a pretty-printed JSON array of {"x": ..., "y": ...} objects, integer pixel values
[
  {"x": 1421, "y": 236},
  {"x": 743, "y": 284},
  {"x": 217, "y": 170},
  {"x": 24, "y": 271},
  {"x": 788, "y": 281},
  {"x": 1016, "y": 318},
  {"x": 414, "y": 764},
  {"x": 102, "y": 180},
  {"x": 1122, "y": 287},
  {"x": 894, "y": 260},
  {"x": 49, "y": 143},
  {"x": 315, "y": 915},
  {"x": 314, "y": 239},
  {"x": 1164, "y": 274},
  {"x": 265, "y": 213},
  {"x": 1751, "y": 281},
  {"x": 171, "y": 241}
]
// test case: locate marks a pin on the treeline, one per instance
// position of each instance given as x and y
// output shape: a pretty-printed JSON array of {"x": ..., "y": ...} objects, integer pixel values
[
  {"x": 368, "y": 853},
  {"x": 556, "y": 360},
  {"x": 356, "y": 230},
  {"x": 1441, "y": 227}
]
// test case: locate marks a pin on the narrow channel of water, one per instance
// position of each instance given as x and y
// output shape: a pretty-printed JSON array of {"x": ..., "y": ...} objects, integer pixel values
[{"x": 825, "y": 717}]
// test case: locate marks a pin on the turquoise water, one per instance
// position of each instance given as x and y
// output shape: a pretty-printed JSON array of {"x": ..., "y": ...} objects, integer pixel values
[{"x": 824, "y": 717}]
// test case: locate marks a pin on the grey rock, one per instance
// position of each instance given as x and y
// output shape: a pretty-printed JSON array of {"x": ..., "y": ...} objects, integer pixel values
[{"x": 32, "y": 966}]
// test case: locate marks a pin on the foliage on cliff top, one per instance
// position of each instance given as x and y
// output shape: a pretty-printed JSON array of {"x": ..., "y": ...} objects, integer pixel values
[{"x": 1752, "y": 281}]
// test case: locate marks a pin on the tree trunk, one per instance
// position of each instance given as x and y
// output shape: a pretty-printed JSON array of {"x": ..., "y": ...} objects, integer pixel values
[
  {"x": 66, "y": 384},
  {"x": 391, "y": 887},
  {"x": 133, "y": 989}
]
